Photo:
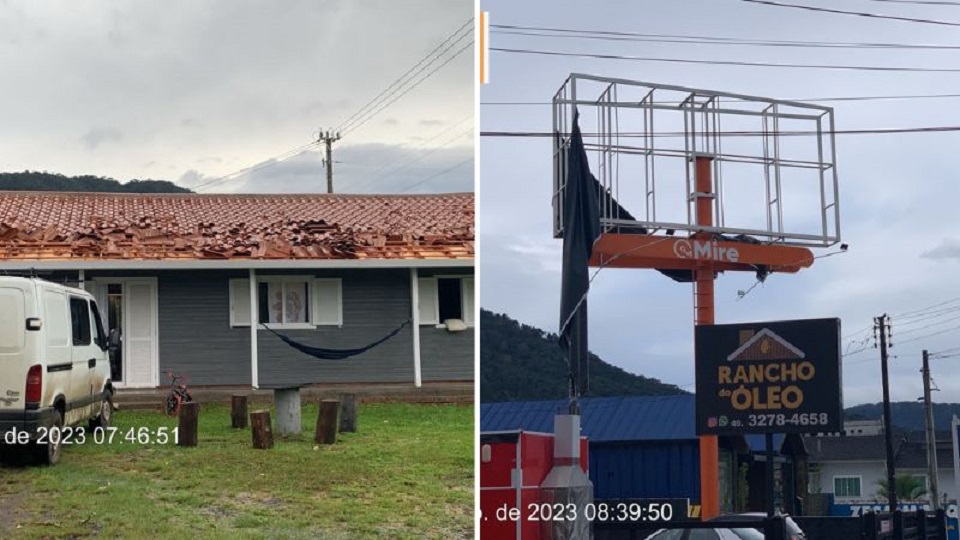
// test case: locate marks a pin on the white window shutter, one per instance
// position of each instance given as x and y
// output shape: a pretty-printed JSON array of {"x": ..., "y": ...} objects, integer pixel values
[
  {"x": 466, "y": 285},
  {"x": 427, "y": 301},
  {"x": 327, "y": 302},
  {"x": 239, "y": 302}
]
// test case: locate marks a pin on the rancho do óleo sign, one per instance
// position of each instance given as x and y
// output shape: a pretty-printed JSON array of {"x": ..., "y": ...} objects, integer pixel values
[{"x": 769, "y": 377}]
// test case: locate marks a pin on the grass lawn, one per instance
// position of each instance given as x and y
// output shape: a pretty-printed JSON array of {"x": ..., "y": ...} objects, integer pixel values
[{"x": 407, "y": 473}]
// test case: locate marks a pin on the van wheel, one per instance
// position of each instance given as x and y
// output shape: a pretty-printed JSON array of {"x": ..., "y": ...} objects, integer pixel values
[
  {"x": 48, "y": 453},
  {"x": 105, "y": 416}
]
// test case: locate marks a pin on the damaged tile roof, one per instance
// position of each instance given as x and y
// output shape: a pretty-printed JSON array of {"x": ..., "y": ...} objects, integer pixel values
[{"x": 44, "y": 225}]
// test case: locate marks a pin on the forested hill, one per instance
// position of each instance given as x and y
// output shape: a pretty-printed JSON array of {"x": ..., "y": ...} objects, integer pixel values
[
  {"x": 44, "y": 181},
  {"x": 520, "y": 362},
  {"x": 906, "y": 415}
]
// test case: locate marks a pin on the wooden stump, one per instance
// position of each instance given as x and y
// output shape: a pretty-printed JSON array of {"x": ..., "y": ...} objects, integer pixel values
[
  {"x": 260, "y": 427},
  {"x": 188, "y": 424},
  {"x": 288, "y": 411},
  {"x": 238, "y": 411},
  {"x": 327, "y": 421},
  {"x": 348, "y": 413}
]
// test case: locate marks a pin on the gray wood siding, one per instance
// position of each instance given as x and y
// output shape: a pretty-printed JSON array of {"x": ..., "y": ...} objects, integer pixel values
[
  {"x": 374, "y": 303},
  {"x": 194, "y": 329},
  {"x": 195, "y": 337},
  {"x": 446, "y": 356}
]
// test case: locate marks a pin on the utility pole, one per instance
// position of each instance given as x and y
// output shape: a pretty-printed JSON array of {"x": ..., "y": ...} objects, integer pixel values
[
  {"x": 328, "y": 138},
  {"x": 883, "y": 325},
  {"x": 931, "y": 436}
]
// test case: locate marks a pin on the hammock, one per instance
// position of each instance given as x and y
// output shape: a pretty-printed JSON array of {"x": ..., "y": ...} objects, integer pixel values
[{"x": 334, "y": 354}]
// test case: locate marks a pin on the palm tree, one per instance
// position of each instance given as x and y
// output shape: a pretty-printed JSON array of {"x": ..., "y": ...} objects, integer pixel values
[{"x": 909, "y": 487}]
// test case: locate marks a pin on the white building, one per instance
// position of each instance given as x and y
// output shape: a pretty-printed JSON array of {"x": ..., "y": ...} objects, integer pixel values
[{"x": 851, "y": 467}]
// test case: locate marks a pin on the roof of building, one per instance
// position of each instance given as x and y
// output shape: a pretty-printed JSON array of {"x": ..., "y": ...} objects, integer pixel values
[
  {"x": 45, "y": 225},
  {"x": 848, "y": 448},
  {"x": 603, "y": 419},
  {"x": 910, "y": 453},
  {"x": 612, "y": 419}
]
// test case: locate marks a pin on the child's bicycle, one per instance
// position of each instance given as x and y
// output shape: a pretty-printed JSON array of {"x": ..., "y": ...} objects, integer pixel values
[{"x": 178, "y": 394}]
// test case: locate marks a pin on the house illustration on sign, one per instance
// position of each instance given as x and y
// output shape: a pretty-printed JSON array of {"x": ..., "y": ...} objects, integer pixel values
[{"x": 764, "y": 345}]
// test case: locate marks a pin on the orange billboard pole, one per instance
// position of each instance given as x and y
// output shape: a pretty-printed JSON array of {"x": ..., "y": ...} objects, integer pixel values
[{"x": 704, "y": 314}]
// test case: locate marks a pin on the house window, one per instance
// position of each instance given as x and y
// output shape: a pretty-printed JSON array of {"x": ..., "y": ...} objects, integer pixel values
[
  {"x": 443, "y": 298},
  {"x": 288, "y": 302},
  {"x": 284, "y": 302},
  {"x": 847, "y": 486}
]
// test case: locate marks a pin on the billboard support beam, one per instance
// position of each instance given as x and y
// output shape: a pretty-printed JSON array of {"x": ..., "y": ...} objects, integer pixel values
[{"x": 704, "y": 309}]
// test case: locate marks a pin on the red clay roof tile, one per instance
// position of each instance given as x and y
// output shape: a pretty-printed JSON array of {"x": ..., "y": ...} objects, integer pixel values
[{"x": 43, "y": 225}]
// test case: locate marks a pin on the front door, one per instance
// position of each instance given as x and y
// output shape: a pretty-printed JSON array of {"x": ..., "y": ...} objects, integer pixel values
[{"x": 130, "y": 319}]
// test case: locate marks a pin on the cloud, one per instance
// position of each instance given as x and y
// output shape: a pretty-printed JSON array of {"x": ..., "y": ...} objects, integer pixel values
[
  {"x": 391, "y": 122},
  {"x": 363, "y": 168},
  {"x": 431, "y": 123},
  {"x": 97, "y": 136},
  {"x": 949, "y": 248}
]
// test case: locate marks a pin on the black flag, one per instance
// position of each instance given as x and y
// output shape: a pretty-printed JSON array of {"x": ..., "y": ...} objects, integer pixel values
[{"x": 581, "y": 228}]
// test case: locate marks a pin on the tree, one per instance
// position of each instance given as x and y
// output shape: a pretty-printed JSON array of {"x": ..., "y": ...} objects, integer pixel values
[{"x": 909, "y": 487}]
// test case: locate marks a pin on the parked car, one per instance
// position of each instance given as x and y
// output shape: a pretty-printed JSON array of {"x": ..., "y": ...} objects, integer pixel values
[
  {"x": 718, "y": 533},
  {"x": 54, "y": 367},
  {"x": 793, "y": 530}
]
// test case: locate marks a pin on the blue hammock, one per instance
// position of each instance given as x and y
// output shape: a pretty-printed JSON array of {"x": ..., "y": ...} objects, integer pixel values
[{"x": 334, "y": 354}]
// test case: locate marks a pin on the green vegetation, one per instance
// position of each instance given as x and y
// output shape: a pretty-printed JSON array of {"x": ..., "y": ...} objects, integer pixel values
[
  {"x": 407, "y": 473},
  {"x": 909, "y": 487},
  {"x": 44, "y": 181},
  {"x": 520, "y": 362}
]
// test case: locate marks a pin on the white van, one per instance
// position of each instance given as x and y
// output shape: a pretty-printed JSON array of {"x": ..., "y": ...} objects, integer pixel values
[{"x": 54, "y": 367}]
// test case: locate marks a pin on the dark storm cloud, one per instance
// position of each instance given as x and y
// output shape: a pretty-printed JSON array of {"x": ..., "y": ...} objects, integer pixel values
[{"x": 240, "y": 80}]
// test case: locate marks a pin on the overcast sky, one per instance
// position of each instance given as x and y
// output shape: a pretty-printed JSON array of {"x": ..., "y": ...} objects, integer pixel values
[
  {"x": 898, "y": 192},
  {"x": 191, "y": 91}
]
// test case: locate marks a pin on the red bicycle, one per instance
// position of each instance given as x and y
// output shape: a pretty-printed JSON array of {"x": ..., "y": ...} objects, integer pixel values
[{"x": 178, "y": 394}]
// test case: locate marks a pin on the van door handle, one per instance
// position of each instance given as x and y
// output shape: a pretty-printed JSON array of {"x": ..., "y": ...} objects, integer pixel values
[{"x": 92, "y": 363}]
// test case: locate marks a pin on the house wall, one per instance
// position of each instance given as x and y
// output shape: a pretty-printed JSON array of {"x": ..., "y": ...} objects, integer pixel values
[
  {"x": 195, "y": 337},
  {"x": 874, "y": 471},
  {"x": 446, "y": 356},
  {"x": 374, "y": 303}
]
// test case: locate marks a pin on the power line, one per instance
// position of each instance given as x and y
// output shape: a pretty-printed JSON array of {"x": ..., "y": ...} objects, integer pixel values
[
  {"x": 926, "y": 316},
  {"x": 925, "y": 309},
  {"x": 269, "y": 162},
  {"x": 533, "y": 31},
  {"x": 925, "y": 2},
  {"x": 420, "y": 158},
  {"x": 441, "y": 173},
  {"x": 802, "y": 100},
  {"x": 406, "y": 91},
  {"x": 400, "y": 80},
  {"x": 724, "y": 62},
  {"x": 875, "y": 131},
  {"x": 856, "y": 13},
  {"x": 419, "y": 147}
]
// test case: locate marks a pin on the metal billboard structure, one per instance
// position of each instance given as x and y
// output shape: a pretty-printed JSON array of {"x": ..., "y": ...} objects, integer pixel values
[
  {"x": 696, "y": 182},
  {"x": 767, "y": 157}
]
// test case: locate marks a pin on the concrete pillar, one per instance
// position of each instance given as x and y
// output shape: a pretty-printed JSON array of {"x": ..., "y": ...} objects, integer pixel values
[{"x": 288, "y": 411}]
